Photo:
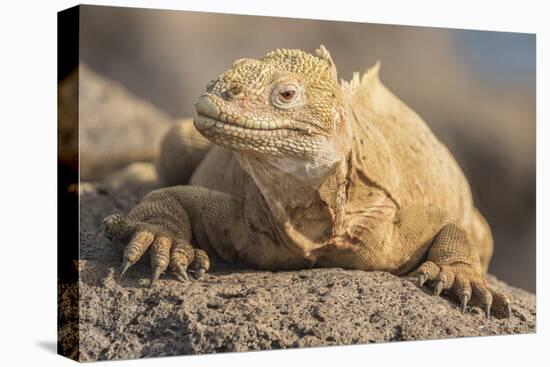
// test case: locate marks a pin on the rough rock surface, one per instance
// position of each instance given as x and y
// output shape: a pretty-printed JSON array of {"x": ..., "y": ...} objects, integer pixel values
[{"x": 240, "y": 309}]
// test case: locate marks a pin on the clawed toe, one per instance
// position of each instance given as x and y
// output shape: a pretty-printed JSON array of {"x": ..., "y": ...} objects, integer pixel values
[
  {"x": 181, "y": 273},
  {"x": 201, "y": 263},
  {"x": 421, "y": 279},
  {"x": 182, "y": 278},
  {"x": 438, "y": 288},
  {"x": 111, "y": 220},
  {"x": 487, "y": 310},
  {"x": 502, "y": 306},
  {"x": 124, "y": 267},
  {"x": 199, "y": 273},
  {"x": 464, "y": 283},
  {"x": 464, "y": 302},
  {"x": 115, "y": 226},
  {"x": 156, "y": 275},
  {"x": 164, "y": 250}
]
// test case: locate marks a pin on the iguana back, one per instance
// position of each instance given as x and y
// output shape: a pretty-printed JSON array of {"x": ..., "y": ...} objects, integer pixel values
[{"x": 395, "y": 149}]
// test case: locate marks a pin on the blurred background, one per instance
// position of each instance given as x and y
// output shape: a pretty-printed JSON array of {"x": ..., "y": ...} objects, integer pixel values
[{"x": 475, "y": 89}]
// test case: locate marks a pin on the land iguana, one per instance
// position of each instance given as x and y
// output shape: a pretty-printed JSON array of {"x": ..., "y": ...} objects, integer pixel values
[{"x": 309, "y": 172}]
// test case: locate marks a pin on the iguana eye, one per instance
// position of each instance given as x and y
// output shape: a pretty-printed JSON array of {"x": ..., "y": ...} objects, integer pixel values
[
  {"x": 285, "y": 95},
  {"x": 288, "y": 95}
]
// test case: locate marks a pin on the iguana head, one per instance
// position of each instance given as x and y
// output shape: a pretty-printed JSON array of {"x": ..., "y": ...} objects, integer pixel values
[{"x": 286, "y": 105}]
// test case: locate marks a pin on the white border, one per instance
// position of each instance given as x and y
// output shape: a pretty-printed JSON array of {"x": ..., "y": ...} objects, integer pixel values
[{"x": 28, "y": 161}]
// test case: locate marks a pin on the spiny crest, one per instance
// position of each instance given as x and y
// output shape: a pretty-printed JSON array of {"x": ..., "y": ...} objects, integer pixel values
[
  {"x": 359, "y": 82},
  {"x": 317, "y": 66}
]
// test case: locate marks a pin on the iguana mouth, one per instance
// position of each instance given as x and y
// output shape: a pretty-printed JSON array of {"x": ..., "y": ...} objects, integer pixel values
[
  {"x": 239, "y": 127},
  {"x": 206, "y": 122},
  {"x": 210, "y": 114}
]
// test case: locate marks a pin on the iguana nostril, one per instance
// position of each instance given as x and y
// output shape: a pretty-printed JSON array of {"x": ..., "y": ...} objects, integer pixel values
[
  {"x": 210, "y": 86},
  {"x": 232, "y": 92}
]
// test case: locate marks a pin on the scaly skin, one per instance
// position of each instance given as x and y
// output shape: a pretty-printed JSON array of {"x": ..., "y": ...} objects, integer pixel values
[{"x": 316, "y": 173}]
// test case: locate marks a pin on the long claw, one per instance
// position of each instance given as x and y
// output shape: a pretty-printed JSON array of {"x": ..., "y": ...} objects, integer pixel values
[
  {"x": 464, "y": 303},
  {"x": 156, "y": 274},
  {"x": 182, "y": 279},
  {"x": 124, "y": 267},
  {"x": 438, "y": 288},
  {"x": 422, "y": 279},
  {"x": 199, "y": 273},
  {"x": 508, "y": 310},
  {"x": 181, "y": 272},
  {"x": 487, "y": 309}
]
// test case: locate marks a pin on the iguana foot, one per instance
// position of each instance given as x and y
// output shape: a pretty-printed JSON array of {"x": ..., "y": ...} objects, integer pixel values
[
  {"x": 466, "y": 284},
  {"x": 165, "y": 247}
]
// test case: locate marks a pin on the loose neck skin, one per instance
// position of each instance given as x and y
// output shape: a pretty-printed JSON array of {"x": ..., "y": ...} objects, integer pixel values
[{"x": 293, "y": 184}]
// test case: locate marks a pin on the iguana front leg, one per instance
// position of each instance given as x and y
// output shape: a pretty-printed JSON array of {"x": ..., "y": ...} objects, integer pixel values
[{"x": 165, "y": 222}]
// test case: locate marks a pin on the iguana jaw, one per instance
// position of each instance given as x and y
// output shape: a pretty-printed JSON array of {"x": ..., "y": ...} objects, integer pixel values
[
  {"x": 236, "y": 128},
  {"x": 210, "y": 111}
]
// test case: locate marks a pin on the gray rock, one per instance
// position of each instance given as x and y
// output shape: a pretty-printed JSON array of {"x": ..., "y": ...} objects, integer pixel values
[
  {"x": 241, "y": 310},
  {"x": 115, "y": 127}
]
